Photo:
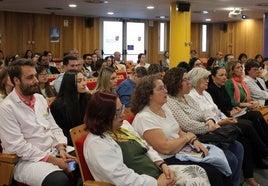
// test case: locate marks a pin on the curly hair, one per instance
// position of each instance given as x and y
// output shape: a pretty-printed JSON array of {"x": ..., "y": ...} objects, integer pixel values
[
  {"x": 100, "y": 112},
  {"x": 141, "y": 95},
  {"x": 173, "y": 80},
  {"x": 230, "y": 66}
]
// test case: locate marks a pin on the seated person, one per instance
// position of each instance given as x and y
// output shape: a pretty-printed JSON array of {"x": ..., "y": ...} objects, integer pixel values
[
  {"x": 125, "y": 89},
  {"x": 29, "y": 130},
  {"x": 256, "y": 85},
  {"x": 124, "y": 158}
]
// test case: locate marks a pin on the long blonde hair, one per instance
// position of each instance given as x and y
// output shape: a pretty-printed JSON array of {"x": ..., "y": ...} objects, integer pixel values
[{"x": 104, "y": 77}]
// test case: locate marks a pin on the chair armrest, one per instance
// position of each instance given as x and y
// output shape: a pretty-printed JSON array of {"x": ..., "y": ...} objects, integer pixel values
[
  {"x": 8, "y": 158},
  {"x": 96, "y": 183}
]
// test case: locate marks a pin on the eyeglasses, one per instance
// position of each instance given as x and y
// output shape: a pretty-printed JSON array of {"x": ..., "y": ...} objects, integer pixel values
[
  {"x": 120, "y": 111},
  {"x": 185, "y": 80}
]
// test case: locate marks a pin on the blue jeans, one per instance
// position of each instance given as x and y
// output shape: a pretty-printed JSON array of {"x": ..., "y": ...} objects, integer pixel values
[{"x": 235, "y": 155}]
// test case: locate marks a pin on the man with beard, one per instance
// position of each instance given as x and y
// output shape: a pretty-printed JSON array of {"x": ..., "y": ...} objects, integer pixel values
[
  {"x": 44, "y": 61},
  {"x": 28, "y": 129}
]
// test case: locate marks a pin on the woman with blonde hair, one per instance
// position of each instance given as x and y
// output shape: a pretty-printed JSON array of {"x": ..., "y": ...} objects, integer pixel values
[{"x": 107, "y": 80}]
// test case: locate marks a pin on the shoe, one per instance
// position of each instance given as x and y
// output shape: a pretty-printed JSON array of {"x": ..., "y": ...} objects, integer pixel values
[{"x": 250, "y": 182}]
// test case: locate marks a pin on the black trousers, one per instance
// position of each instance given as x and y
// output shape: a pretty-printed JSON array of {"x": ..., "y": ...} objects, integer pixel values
[{"x": 58, "y": 178}]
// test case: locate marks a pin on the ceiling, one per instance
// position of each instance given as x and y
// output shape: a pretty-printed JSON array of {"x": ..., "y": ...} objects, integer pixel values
[{"x": 217, "y": 9}]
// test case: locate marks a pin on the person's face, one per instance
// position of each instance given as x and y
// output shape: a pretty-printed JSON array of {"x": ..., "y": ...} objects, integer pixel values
[
  {"x": 259, "y": 59},
  {"x": 113, "y": 81},
  {"x": 28, "y": 83},
  {"x": 203, "y": 84},
  {"x": 238, "y": 70},
  {"x": 167, "y": 54},
  {"x": 253, "y": 72},
  {"x": 109, "y": 61},
  {"x": 35, "y": 58},
  {"x": 44, "y": 61},
  {"x": 159, "y": 96},
  {"x": 42, "y": 77},
  {"x": 94, "y": 57},
  {"x": 143, "y": 59},
  {"x": 118, "y": 119},
  {"x": 104, "y": 64},
  {"x": 29, "y": 54},
  {"x": 88, "y": 60},
  {"x": 243, "y": 59},
  {"x": 185, "y": 85},
  {"x": 72, "y": 65},
  {"x": 117, "y": 56},
  {"x": 219, "y": 56},
  {"x": 198, "y": 63},
  {"x": 75, "y": 53},
  {"x": 230, "y": 58},
  {"x": 50, "y": 56},
  {"x": 81, "y": 83},
  {"x": 220, "y": 77}
]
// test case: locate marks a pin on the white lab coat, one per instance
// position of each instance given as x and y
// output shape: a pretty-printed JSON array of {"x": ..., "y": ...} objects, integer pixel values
[{"x": 31, "y": 134}]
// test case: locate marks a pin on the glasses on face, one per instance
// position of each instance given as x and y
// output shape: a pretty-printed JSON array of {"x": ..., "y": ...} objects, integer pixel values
[
  {"x": 120, "y": 111},
  {"x": 185, "y": 80},
  {"x": 161, "y": 89}
]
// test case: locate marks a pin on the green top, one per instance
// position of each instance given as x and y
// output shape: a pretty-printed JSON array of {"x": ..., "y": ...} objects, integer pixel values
[
  {"x": 230, "y": 90},
  {"x": 134, "y": 156}
]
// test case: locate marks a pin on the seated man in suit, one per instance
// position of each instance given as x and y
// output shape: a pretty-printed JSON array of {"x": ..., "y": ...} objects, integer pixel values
[
  {"x": 257, "y": 87},
  {"x": 28, "y": 129}
]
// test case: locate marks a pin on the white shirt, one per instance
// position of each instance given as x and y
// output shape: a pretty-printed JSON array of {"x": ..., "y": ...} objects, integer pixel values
[
  {"x": 145, "y": 66},
  {"x": 105, "y": 160},
  {"x": 31, "y": 134}
]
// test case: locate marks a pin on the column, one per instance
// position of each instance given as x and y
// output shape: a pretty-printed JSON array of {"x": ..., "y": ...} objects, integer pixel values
[{"x": 180, "y": 34}]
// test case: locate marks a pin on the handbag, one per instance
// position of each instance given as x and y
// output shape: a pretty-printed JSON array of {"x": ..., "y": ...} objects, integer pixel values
[{"x": 222, "y": 137}]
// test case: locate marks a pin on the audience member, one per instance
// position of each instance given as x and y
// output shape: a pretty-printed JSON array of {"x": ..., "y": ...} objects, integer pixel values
[
  {"x": 165, "y": 60},
  {"x": 185, "y": 65},
  {"x": 124, "y": 158},
  {"x": 142, "y": 61},
  {"x": 107, "y": 80},
  {"x": 21, "y": 134},
  {"x": 191, "y": 119},
  {"x": 155, "y": 123},
  {"x": 28, "y": 54},
  {"x": 195, "y": 62},
  {"x": 118, "y": 64},
  {"x": 44, "y": 86},
  {"x": 44, "y": 61},
  {"x": 156, "y": 69},
  {"x": 6, "y": 85},
  {"x": 126, "y": 88},
  {"x": 69, "y": 63},
  {"x": 69, "y": 107}
]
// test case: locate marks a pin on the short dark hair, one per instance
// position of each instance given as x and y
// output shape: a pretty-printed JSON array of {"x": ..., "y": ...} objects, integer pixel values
[
  {"x": 14, "y": 69},
  {"x": 140, "y": 71},
  {"x": 67, "y": 58},
  {"x": 250, "y": 64},
  {"x": 154, "y": 69},
  {"x": 100, "y": 112}
]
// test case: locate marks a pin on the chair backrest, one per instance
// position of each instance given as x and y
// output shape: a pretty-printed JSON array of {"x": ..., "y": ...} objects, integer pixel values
[
  {"x": 120, "y": 78},
  {"x": 91, "y": 83},
  {"x": 78, "y": 136}
]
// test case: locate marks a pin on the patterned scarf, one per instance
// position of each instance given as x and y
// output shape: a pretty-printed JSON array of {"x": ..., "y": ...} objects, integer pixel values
[{"x": 235, "y": 81}]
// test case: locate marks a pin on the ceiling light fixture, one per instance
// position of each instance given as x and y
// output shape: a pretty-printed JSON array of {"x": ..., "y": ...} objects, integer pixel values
[
  {"x": 150, "y": 7},
  {"x": 204, "y": 12},
  {"x": 207, "y": 20},
  {"x": 110, "y": 13},
  {"x": 72, "y": 5}
]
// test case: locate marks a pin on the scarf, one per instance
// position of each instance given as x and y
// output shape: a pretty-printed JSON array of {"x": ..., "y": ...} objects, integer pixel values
[{"x": 235, "y": 81}]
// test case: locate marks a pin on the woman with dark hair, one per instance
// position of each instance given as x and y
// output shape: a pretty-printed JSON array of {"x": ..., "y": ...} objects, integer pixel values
[
  {"x": 191, "y": 119},
  {"x": 6, "y": 85},
  {"x": 124, "y": 158},
  {"x": 28, "y": 54},
  {"x": 195, "y": 62},
  {"x": 156, "y": 124},
  {"x": 165, "y": 61},
  {"x": 243, "y": 58},
  {"x": 142, "y": 61},
  {"x": 212, "y": 62},
  {"x": 110, "y": 61},
  {"x": 249, "y": 137},
  {"x": 222, "y": 99},
  {"x": 69, "y": 107},
  {"x": 44, "y": 86},
  {"x": 156, "y": 69}
]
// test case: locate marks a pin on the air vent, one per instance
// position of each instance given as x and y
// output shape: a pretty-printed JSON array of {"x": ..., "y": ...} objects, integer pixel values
[
  {"x": 53, "y": 8},
  {"x": 96, "y": 1}
]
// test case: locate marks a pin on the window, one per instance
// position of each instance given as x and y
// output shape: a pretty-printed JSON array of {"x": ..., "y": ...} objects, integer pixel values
[
  {"x": 204, "y": 38},
  {"x": 162, "y": 37}
]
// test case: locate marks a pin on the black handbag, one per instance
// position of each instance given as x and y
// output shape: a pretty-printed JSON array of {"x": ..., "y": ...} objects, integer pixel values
[{"x": 222, "y": 137}]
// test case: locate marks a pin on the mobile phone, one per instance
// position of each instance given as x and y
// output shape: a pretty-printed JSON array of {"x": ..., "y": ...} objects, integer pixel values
[{"x": 72, "y": 165}]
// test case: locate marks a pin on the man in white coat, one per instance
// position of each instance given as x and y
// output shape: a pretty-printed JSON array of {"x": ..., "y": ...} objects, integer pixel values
[
  {"x": 257, "y": 87},
  {"x": 28, "y": 129}
]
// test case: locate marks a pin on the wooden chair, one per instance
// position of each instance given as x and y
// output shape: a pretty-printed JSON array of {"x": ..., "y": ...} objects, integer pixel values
[
  {"x": 120, "y": 78},
  {"x": 78, "y": 135},
  {"x": 91, "y": 83}
]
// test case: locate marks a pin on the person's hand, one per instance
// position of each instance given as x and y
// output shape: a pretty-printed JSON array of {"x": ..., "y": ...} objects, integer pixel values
[
  {"x": 59, "y": 162},
  {"x": 227, "y": 121},
  {"x": 66, "y": 157},
  {"x": 254, "y": 104},
  {"x": 164, "y": 181},
  {"x": 235, "y": 110},
  {"x": 211, "y": 125},
  {"x": 200, "y": 147},
  {"x": 168, "y": 172}
]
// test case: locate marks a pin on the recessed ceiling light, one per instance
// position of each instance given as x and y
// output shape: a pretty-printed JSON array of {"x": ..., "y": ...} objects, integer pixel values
[
  {"x": 204, "y": 12},
  {"x": 72, "y": 5},
  {"x": 150, "y": 7},
  {"x": 110, "y": 13},
  {"x": 162, "y": 17},
  {"x": 208, "y": 20}
]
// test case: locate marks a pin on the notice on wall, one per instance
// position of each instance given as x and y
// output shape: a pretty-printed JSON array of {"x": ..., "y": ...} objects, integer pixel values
[{"x": 54, "y": 35}]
